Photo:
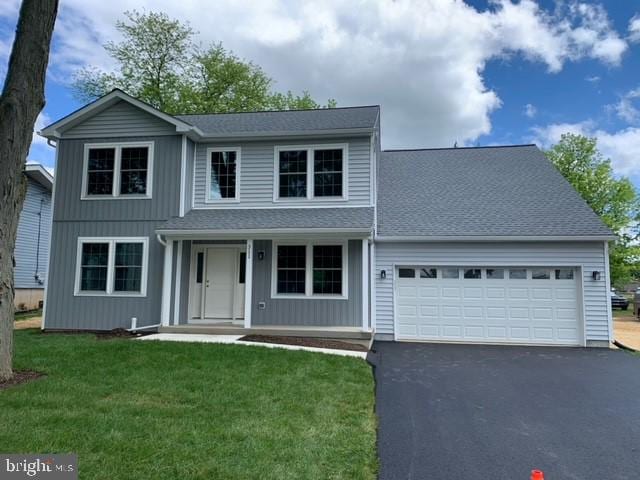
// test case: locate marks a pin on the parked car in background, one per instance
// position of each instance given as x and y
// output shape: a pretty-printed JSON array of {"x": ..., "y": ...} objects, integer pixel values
[{"x": 618, "y": 301}]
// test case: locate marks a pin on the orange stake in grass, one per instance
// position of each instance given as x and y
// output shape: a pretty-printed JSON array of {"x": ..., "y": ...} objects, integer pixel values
[{"x": 537, "y": 475}]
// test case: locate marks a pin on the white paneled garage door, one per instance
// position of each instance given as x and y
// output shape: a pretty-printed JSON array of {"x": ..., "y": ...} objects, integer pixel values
[{"x": 488, "y": 305}]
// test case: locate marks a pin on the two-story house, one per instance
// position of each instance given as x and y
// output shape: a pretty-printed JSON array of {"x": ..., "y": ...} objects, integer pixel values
[{"x": 297, "y": 222}]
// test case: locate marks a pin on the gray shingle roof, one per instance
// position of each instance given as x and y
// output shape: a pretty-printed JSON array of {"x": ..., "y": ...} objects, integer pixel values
[
  {"x": 272, "y": 218},
  {"x": 490, "y": 191},
  {"x": 291, "y": 121}
]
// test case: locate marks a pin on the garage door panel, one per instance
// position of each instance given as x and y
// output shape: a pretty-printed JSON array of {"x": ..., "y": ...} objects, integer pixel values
[{"x": 494, "y": 310}]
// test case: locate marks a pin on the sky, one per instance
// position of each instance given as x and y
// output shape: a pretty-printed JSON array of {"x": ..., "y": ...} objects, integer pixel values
[{"x": 475, "y": 72}]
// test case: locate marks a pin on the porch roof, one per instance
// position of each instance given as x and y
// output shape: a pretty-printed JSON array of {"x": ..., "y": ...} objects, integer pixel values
[{"x": 271, "y": 220}]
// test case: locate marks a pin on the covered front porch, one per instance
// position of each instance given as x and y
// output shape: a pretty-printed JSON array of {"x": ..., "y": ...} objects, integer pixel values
[{"x": 290, "y": 282}]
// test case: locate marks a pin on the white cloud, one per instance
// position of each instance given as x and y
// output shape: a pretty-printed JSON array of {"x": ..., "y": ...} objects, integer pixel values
[
  {"x": 634, "y": 29},
  {"x": 530, "y": 110},
  {"x": 627, "y": 108},
  {"x": 422, "y": 60},
  {"x": 593, "y": 79},
  {"x": 622, "y": 146}
]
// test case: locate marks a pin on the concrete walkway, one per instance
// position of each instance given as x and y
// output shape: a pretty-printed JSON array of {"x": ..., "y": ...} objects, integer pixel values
[{"x": 235, "y": 340}]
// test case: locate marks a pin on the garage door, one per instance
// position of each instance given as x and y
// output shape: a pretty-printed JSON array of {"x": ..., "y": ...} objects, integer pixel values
[{"x": 488, "y": 305}]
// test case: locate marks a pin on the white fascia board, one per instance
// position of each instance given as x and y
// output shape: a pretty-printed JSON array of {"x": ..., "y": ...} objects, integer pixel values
[
  {"x": 267, "y": 233},
  {"x": 505, "y": 238},
  {"x": 339, "y": 132}
]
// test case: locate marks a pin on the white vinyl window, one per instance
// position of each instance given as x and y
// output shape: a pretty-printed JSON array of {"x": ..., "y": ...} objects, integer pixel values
[
  {"x": 306, "y": 172},
  {"x": 223, "y": 174},
  {"x": 117, "y": 171},
  {"x": 309, "y": 269},
  {"x": 112, "y": 266}
]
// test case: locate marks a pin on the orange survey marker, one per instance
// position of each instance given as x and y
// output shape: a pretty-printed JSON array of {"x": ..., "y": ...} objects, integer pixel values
[{"x": 537, "y": 475}]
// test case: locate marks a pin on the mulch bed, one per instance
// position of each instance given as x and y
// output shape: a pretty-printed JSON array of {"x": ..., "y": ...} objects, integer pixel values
[
  {"x": 20, "y": 377},
  {"x": 117, "y": 333},
  {"x": 306, "y": 342}
]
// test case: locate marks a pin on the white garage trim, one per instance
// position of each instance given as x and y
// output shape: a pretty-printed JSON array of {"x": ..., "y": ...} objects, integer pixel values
[{"x": 573, "y": 328}]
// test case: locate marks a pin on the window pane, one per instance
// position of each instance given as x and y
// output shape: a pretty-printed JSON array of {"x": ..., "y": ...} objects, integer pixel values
[
  {"x": 243, "y": 268},
  {"x": 133, "y": 170},
  {"x": 472, "y": 273},
  {"x": 450, "y": 273},
  {"x": 94, "y": 266},
  {"x": 100, "y": 167},
  {"x": 495, "y": 273},
  {"x": 291, "y": 263},
  {"x": 199, "y": 267},
  {"x": 518, "y": 274},
  {"x": 327, "y": 173},
  {"x": 428, "y": 273},
  {"x": 128, "y": 267},
  {"x": 134, "y": 158},
  {"x": 406, "y": 273},
  {"x": 540, "y": 274},
  {"x": 223, "y": 175},
  {"x": 293, "y": 174},
  {"x": 327, "y": 269},
  {"x": 564, "y": 274}
]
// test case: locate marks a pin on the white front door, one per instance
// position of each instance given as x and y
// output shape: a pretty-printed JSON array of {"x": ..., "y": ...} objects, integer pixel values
[{"x": 220, "y": 283}]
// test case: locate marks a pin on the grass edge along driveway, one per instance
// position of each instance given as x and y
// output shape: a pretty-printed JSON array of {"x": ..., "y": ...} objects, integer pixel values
[{"x": 175, "y": 410}]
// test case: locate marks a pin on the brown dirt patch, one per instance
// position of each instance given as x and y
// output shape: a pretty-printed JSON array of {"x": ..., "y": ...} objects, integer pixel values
[
  {"x": 627, "y": 331},
  {"x": 305, "y": 342},
  {"x": 116, "y": 333},
  {"x": 35, "y": 322},
  {"x": 20, "y": 377}
]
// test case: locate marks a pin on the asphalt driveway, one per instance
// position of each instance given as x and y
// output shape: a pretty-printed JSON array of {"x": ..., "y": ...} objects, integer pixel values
[{"x": 483, "y": 412}]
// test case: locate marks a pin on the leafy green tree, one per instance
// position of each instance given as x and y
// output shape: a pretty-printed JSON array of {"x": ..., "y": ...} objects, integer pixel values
[
  {"x": 159, "y": 63},
  {"x": 613, "y": 198}
]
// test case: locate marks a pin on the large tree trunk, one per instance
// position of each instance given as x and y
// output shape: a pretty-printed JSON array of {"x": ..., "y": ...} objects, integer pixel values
[{"x": 21, "y": 101}]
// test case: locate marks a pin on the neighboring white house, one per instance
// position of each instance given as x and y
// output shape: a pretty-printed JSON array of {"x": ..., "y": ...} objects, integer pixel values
[{"x": 32, "y": 241}]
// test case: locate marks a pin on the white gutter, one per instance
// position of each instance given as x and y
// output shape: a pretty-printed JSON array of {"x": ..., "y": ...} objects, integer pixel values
[
  {"x": 493, "y": 238},
  {"x": 266, "y": 231},
  {"x": 162, "y": 242}
]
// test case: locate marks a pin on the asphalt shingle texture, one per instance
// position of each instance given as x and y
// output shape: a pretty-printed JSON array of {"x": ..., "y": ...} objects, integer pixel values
[
  {"x": 256, "y": 219},
  {"x": 490, "y": 191},
  {"x": 291, "y": 121}
]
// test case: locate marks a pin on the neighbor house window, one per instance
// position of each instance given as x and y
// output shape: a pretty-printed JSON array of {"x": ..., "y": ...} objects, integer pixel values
[
  {"x": 117, "y": 170},
  {"x": 112, "y": 266},
  {"x": 223, "y": 169},
  {"x": 309, "y": 269},
  {"x": 311, "y": 172}
]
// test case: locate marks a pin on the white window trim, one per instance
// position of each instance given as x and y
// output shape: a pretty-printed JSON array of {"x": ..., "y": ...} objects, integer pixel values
[
  {"x": 111, "y": 266},
  {"x": 115, "y": 190},
  {"x": 207, "y": 198},
  {"x": 310, "y": 172},
  {"x": 309, "y": 270}
]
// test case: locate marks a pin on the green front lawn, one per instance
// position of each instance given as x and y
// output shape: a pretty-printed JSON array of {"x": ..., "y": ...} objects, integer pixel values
[{"x": 155, "y": 410}]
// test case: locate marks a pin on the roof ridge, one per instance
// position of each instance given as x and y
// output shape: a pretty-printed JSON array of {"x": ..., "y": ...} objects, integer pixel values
[
  {"x": 459, "y": 148},
  {"x": 277, "y": 111}
]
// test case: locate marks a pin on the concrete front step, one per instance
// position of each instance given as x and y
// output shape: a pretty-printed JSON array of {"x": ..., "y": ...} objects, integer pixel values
[{"x": 333, "y": 333}]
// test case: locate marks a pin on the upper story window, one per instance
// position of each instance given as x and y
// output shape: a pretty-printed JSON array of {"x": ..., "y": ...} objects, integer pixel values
[
  {"x": 223, "y": 172},
  {"x": 117, "y": 170},
  {"x": 310, "y": 172}
]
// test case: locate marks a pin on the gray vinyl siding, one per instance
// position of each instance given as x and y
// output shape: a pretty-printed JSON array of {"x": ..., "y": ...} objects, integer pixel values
[
  {"x": 306, "y": 312},
  {"x": 588, "y": 255},
  {"x": 185, "y": 277},
  {"x": 257, "y": 172},
  {"x": 69, "y": 312},
  {"x": 120, "y": 120},
  {"x": 32, "y": 253},
  {"x": 166, "y": 184}
]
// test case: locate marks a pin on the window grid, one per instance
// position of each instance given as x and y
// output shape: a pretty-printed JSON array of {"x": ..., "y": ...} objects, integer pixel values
[
  {"x": 293, "y": 174},
  {"x": 291, "y": 269},
  {"x": 133, "y": 170},
  {"x": 223, "y": 175},
  {"x": 327, "y": 269},
  {"x": 94, "y": 267},
  {"x": 327, "y": 173},
  {"x": 100, "y": 171},
  {"x": 128, "y": 267}
]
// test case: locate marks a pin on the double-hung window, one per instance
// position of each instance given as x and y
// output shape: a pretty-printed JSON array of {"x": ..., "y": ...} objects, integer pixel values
[
  {"x": 311, "y": 172},
  {"x": 223, "y": 173},
  {"x": 310, "y": 269},
  {"x": 112, "y": 266},
  {"x": 117, "y": 170}
]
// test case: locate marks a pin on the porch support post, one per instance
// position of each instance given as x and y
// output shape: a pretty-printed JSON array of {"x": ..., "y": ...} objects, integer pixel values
[
  {"x": 372, "y": 286},
  {"x": 248, "y": 284},
  {"x": 365, "y": 284},
  {"x": 165, "y": 313},
  {"x": 177, "y": 294}
]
